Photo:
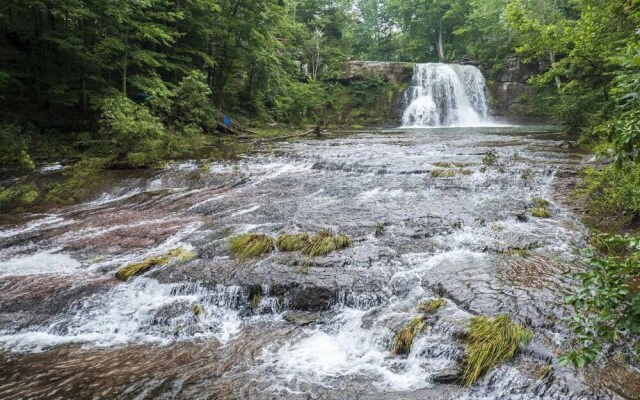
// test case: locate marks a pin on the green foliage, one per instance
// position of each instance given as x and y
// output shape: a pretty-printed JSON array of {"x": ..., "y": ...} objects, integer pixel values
[
  {"x": 79, "y": 180},
  {"x": 491, "y": 342},
  {"x": 607, "y": 300},
  {"x": 179, "y": 255},
  {"x": 136, "y": 136},
  {"x": 403, "y": 340},
  {"x": 490, "y": 158},
  {"x": 431, "y": 306},
  {"x": 13, "y": 145},
  {"x": 251, "y": 245},
  {"x": 612, "y": 192},
  {"x": 20, "y": 193}
]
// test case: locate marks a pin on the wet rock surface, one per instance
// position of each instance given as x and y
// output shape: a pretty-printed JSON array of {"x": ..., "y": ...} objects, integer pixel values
[{"x": 286, "y": 325}]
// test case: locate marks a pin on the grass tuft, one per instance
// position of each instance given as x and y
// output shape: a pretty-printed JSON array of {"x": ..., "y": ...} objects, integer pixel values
[
  {"x": 293, "y": 242},
  {"x": 176, "y": 255},
  {"x": 540, "y": 212},
  {"x": 251, "y": 245},
  {"x": 540, "y": 202},
  {"x": 197, "y": 309},
  {"x": 324, "y": 242},
  {"x": 492, "y": 341},
  {"x": 431, "y": 306},
  {"x": 379, "y": 229},
  {"x": 404, "y": 338},
  {"x": 443, "y": 173}
]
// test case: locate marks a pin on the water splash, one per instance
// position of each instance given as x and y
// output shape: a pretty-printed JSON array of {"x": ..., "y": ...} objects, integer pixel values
[{"x": 446, "y": 95}]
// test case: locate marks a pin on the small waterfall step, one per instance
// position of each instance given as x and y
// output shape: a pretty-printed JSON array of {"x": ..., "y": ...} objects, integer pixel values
[{"x": 446, "y": 95}]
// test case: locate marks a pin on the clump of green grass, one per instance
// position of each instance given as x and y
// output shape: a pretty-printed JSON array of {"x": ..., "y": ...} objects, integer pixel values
[
  {"x": 251, "y": 245},
  {"x": 324, "y": 242},
  {"x": 522, "y": 253},
  {"x": 431, "y": 306},
  {"x": 540, "y": 202},
  {"x": 465, "y": 172},
  {"x": 442, "y": 164},
  {"x": 379, "y": 229},
  {"x": 492, "y": 341},
  {"x": 540, "y": 212},
  {"x": 440, "y": 173},
  {"x": 197, "y": 309},
  {"x": 292, "y": 242},
  {"x": 404, "y": 338},
  {"x": 490, "y": 157},
  {"x": 176, "y": 255}
]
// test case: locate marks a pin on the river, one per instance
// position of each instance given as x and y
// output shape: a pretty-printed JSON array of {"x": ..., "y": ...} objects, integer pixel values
[{"x": 284, "y": 325}]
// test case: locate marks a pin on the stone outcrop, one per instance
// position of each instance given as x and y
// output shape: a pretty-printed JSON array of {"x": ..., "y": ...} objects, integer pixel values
[
  {"x": 390, "y": 72},
  {"x": 510, "y": 85}
]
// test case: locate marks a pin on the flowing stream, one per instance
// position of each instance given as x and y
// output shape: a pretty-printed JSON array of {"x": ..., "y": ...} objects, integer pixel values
[
  {"x": 285, "y": 326},
  {"x": 446, "y": 95}
]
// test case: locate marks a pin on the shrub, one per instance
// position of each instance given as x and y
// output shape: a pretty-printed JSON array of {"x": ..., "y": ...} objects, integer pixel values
[
  {"x": 136, "y": 136},
  {"x": 491, "y": 341},
  {"x": 607, "y": 300}
]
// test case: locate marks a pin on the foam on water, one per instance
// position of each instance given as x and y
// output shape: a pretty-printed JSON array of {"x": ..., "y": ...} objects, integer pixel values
[
  {"x": 47, "y": 262},
  {"x": 141, "y": 311}
]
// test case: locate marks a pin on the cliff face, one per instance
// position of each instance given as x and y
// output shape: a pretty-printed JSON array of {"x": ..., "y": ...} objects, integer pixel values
[
  {"x": 390, "y": 72},
  {"x": 510, "y": 85}
]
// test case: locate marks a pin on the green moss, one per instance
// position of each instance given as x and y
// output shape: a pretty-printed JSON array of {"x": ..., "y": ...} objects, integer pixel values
[
  {"x": 540, "y": 212},
  {"x": 324, "y": 242},
  {"x": 431, "y": 306},
  {"x": 465, "y": 172},
  {"x": 251, "y": 245},
  {"x": 403, "y": 340},
  {"x": 292, "y": 242},
  {"x": 491, "y": 341},
  {"x": 176, "y": 255},
  {"x": 490, "y": 158},
  {"x": 540, "y": 202},
  {"x": 523, "y": 253}
]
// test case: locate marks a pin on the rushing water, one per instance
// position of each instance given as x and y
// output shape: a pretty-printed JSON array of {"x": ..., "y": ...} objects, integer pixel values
[
  {"x": 446, "y": 95},
  {"x": 285, "y": 326}
]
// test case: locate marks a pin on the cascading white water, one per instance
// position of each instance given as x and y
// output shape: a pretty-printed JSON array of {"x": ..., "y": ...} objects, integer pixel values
[{"x": 446, "y": 95}]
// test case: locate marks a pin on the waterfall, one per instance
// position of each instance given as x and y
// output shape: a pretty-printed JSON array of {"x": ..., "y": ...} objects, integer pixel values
[{"x": 446, "y": 95}]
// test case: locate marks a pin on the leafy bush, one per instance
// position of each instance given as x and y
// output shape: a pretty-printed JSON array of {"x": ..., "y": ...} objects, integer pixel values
[
  {"x": 607, "y": 300},
  {"x": 136, "y": 136},
  {"x": 13, "y": 146}
]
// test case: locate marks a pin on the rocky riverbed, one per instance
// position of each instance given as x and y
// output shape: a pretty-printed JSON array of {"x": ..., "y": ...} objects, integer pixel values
[{"x": 457, "y": 224}]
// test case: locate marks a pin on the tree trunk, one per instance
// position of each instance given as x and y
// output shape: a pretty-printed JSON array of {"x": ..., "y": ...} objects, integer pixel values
[
  {"x": 439, "y": 45},
  {"x": 125, "y": 62}
]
